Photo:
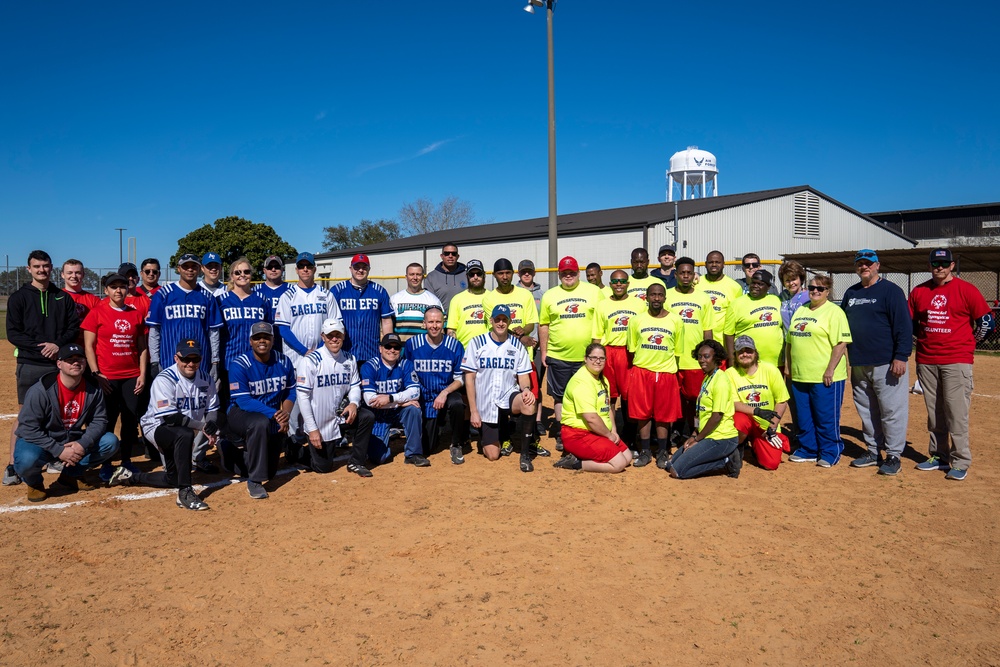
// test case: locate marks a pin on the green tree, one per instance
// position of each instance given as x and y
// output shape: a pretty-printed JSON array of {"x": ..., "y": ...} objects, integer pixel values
[
  {"x": 233, "y": 237},
  {"x": 366, "y": 232}
]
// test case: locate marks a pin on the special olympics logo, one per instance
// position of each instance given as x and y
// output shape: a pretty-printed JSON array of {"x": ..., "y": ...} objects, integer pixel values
[
  {"x": 687, "y": 313},
  {"x": 71, "y": 411},
  {"x": 123, "y": 325},
  {"x": 850, "y": 302},
  {"x": 655, "y": 339},
  {"x": 753, "y": 397},
  {"x": 801, "y": 326},
  {"x": 573, "y": 308},
  {"x": 939, "y": 302},
  {"x": 765, "y": 317}
]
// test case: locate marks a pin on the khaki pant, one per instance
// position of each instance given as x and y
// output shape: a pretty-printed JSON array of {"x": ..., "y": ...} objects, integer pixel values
[{"x": 948, "y": 395}]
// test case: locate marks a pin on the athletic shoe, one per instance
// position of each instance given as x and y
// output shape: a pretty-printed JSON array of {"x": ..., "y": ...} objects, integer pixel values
[
  {"x": 824, "y": 464},
  {"x": 866, "y": 461},
  {"x": 957, "y": 474},
  {"x": 933, "y": 463},
  {"x": 569, "y": 462},
  {"x": 188, "y": 499},
  {"x": 456, "y": 455},
  {"x": 121, "y": 476},
  {"x": 644, "y": 459},
  {"x": 359, "y": 470},
  {"x": 917, "y": 389},
  {"x": 506, "y": 449},
  {"x": 10, "y": 477},
  {"x": 417, "y": 460},
  {"x": 526, "y": 465},
  {"x": 538, "y": 450},
  {"x": 559, "y": 445},
  {"x": 36, "y": 495},
  {"x": 890, "y": 467},
  {"x": 55, "y": 467},
  {"x": 734, "y": 463},
  {"x": 73, "y": 484},
  {"x": 206, "y": 467},
  {"x": 395, "y": 433},
  {"x": 256, "y": 490},
  {"x": 663, "y": 460},
  {"x": 796, "y": 458}
]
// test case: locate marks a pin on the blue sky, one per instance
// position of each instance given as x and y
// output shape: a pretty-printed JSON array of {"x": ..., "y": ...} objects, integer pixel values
[{"x": 162, "y": 117}]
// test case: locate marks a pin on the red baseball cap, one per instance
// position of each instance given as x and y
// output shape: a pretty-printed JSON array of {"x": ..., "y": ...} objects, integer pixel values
[
  {"x": 568, "y": 263},
  {"x": 360, "y": 259}
]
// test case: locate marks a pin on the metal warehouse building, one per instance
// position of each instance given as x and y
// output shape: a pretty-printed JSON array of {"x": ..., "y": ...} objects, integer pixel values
[{"x": 771, "y": 223}]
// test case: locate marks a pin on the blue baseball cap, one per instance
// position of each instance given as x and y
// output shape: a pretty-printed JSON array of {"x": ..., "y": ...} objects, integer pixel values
[
  {"x": 188, "y": 347},
  {"x": 210, "y": 258},
  {"x": 866, "y": 255},
  {"x": 306, "y": 257},
  {"x": 498, "y": 310}
]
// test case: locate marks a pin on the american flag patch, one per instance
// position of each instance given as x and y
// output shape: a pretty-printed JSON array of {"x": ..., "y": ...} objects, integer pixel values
[
  {"x": 162, "y": 404},
  {"x": 301, "y": 379},
  {"x": 233, "y": 386}
]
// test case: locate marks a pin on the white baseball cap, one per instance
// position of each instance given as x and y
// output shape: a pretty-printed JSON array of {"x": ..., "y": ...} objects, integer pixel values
[{"x": 330, "y": 325}]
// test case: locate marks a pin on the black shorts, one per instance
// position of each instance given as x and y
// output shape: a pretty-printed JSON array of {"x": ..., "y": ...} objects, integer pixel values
[
  {"x": 490, "y": 432},
  {"x": 27, "y": 375},
  {"x": 558, "y": 376}
]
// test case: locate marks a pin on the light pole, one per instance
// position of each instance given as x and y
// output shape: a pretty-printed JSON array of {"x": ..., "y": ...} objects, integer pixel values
[
  {"x": 553, "y": 230},
  {"x": 120, "y": 230}
]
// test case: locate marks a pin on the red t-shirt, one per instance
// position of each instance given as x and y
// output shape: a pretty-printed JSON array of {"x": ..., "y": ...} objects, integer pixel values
[
  {"x": 71, "y": 402},
  {"x": 141, "y": 303},
  {"x": 85, "y": 302},
  {"x": 943, "y": 316},
  {"x": 117, "y": 334}
]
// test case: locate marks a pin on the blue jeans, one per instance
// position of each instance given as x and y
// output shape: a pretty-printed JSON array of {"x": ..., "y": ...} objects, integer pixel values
[
  {"x": 29, "y": 459},
  {"x": 702, "y": 457},
  {"x": 817, "y": 414},
  {"x": 412, "y": 423}
]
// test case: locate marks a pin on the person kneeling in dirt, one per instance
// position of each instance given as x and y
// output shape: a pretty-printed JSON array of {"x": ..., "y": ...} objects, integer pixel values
[
  {"x": 63, "y": 419},
  {"x": 761, "y": 401},
  {"x": 182, "y": 403}
]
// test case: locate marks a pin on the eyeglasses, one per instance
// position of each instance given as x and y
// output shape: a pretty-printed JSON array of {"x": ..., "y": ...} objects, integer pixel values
[
  {"x": 818, "y": 288},
  {"x": 243, "y": 273},
  {"x": 751, "y": 265},
  {"x": 151, "y": 272},
  {"x": 618, "y": 281},
  {"x": 190, "y": 360},
  {"x": 940, "y": 265},
  {"x": 596, "y": 360},
  {"x": 449, "y": 253}
]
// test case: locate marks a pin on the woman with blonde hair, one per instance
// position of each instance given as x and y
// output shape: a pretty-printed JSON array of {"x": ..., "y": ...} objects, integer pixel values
[{"x": 241, "y": 308}]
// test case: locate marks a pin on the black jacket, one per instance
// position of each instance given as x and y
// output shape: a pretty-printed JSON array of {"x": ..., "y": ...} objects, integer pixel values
[
  {"x": 40, "y": 420},
  {"x": 35, "y": 317}
]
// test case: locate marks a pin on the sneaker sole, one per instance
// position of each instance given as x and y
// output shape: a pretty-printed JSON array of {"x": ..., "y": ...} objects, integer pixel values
[
  {"x": 868, "y": 464},
  {"x": 200, "y": 508},
  {"x": 794, "y": 459},
  {"x": 888, "y": 473}
]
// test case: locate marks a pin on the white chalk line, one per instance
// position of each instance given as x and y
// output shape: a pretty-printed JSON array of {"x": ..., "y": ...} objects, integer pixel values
[
  {"x": 158, "y": 493},
  {"x": 984, "y": 395},
  {"x": 8, "y": 417}
]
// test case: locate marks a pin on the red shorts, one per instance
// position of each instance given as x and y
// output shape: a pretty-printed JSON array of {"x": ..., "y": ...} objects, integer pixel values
[
  {"x": 767, "y": 456},
  {"x": 616, "y": 371},
  {"x": 690, "y": 380},
  {"x": 588, "y": 446},
  {"x": 654, "y": 396},
  {"x": 536, "y": 388}
]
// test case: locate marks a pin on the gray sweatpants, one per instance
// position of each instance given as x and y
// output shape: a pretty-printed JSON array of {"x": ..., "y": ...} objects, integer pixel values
[
  {"x": 948, "y": 395},
  {"x": 883, "y": 403}
]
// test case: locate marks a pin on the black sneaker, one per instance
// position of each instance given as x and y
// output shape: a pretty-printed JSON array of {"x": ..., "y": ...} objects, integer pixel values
[
  {"x": 734, "y": 463},
  {"x": 359, "y": 470},
  {"x": 189, "y": 500},
  {"x": 569, "y": 462},
  {"x": 256, "y": 490},
  {"x": 538, "y": 450},
  {"x": 663, "y": 459},
  {"x": 122, "y": 476},
  {"x": 456, "y": 455},
  {"x": 890, "y": 467},
  {"x": 526, "y": 465},
  {"x": 417, "y": 460},
  {"x": 644, "y": 459},
  {"x": 506, "y": 449},
  {"x": 206, "y": 467}
]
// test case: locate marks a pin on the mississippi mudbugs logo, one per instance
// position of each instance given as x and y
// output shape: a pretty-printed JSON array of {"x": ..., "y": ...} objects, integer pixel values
[
  {"x": 766, "y": 317},
  {"x": 621, "y": 321},
  {"x": 753, "y": 397},
  {"x": 687, "y": 313},
  {"x": 573, "y": 308},
  {"x": 656, "y": 339},
  {"x": 477, "y": 315},
  {"x": 801, "y": 326}
]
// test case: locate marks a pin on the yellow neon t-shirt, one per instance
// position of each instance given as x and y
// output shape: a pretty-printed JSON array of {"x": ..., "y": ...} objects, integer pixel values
[
  {"x": 569, "y": 315},
  {"x": 722, "y": 292},
  {"x": 761, "y": 320},
  {"x": 637, "y": 286},
  {"x": 522, "y": 310},
  {"x": 697, "y": 315},
  {"x": 717, "y": 395},
  {"x": 585, "y": 393},
  {"x": 764, "y": 389},
  {"x": 653, "y": 341},
  {"x": 612, "y": 318},
  {"x": 467, "y": 317},
  {"x": 812, "y": 335}
]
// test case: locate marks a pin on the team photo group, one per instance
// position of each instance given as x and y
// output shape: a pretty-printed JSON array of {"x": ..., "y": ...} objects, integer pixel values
[{"x": 695, "y": 373}]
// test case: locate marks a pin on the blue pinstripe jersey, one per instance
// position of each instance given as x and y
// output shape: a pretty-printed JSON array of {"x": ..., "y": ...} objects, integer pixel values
[
  {"x": 272, "y": 295},
  {"x": 258, "y": 387},
  {"x": 436, "y": 367},
  {"x": 239, "y": 315},
  {"x": 181, "y": 314},
  {"x": 362, "y": 312},
  {"x": 377, "y": 378}
]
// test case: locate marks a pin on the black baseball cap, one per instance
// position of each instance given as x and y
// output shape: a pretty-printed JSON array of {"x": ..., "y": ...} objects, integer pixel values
[
  {"x": 763, "y": 275},
  {"x": 70, "y": 350},
  {"x": 189, "y": 347},
  {"x": 941, "y": 255},
  {"x": 391, "y": 339},
  {"x": 126, "y": 267},
  {"x": 668, "y": 249},
  {"x": 474, "y": 265}
]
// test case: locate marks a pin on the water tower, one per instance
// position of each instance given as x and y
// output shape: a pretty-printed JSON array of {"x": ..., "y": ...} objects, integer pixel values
[{"x": 695, "y": 173}]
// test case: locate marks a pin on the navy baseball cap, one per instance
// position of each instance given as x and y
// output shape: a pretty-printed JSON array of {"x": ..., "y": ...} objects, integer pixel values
[
  {"x": 70, "y": 350},
  {"x": 127, "y": 267},
  {"x": 211, "y": 258},
  {"x": 500, "y": 310},
  {"x": 474, "y": 265},
  {"x": 261, "y": 328},
  {"x": 188, "y": 258},
  {"x": 305, "y": 257},
  {"x": 666, "y": 250},
  {"x": 189, "y": 347},
  {"x": 866, "y": 254},
  {"x": 941, "y": 255}
]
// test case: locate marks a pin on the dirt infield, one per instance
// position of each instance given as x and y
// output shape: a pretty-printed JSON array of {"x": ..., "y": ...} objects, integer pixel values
[{"x": 481, "y": 564}]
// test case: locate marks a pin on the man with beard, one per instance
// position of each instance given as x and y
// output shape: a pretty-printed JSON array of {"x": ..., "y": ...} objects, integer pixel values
[
  {"x": 465, "y": 312},
  {"x": 640, "y": 279},
  {"x": 761, "y": 401},
  {"x": 757, "y": 314},
  {"x": 720, "y": 288}
]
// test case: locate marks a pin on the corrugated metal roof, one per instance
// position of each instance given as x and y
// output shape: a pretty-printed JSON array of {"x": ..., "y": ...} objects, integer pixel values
[
  {"x": 570, "y": 224},
  {"x": 911, "y": 260}
]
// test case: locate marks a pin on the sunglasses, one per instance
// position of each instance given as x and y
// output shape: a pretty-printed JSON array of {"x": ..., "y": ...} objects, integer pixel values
[
  {"x": 940, "y": 265},
  {"x": 818, "y": 288},
  {"x": 151, "y": 272},
  {"x": 618, "y": 281},
  {"x": 360, "y": 267},
  {"x": 751, "y": 265},
  {"x": 190, "y": 360},
  {"x": 305, "y": 266},
  {"x": 449, "y": 253},
  {"x": 242, "y": 273},
  {"x": 474, "y": 274},
  {"x": 394, "y": 348},
  {"x": 273, "y": 267}
]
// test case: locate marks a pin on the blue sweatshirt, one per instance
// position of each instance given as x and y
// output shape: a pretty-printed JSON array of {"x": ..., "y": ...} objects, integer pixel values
[{"x": 880, "y": 324}]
